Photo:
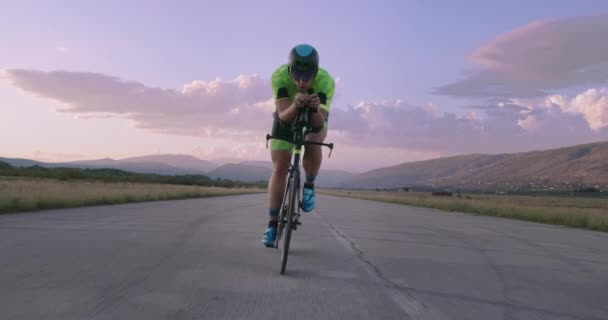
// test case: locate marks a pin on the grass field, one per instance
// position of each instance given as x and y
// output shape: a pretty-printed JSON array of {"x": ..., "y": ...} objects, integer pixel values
[
  {"x": 579, "y": 212},
  {"x": 22, "y": 194}
]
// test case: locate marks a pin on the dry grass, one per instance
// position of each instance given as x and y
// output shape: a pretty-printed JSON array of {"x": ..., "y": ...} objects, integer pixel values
[
  {"x": 587, "y": 213},
  {"x": 19, "y": 194}
]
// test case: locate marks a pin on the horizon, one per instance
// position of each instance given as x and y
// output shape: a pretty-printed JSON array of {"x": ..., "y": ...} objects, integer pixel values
[
  {"x": 236, "y": 161},
  {"x": 87, "y": 81}
]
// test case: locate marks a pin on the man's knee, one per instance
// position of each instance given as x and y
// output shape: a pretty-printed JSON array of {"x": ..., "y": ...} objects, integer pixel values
[
  {"x": 280, "y": 163},
  {"x": 281, "y": 169},
  {"x": 317, "y": 136}
]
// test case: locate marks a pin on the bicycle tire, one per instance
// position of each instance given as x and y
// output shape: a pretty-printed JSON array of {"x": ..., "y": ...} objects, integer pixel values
[
  {"x": 289, "y": 227},
  {"x": 283, "y": 212}
]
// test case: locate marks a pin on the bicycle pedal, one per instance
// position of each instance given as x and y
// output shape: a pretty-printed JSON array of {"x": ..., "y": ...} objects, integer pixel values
[{"x": 296, "y": 224}]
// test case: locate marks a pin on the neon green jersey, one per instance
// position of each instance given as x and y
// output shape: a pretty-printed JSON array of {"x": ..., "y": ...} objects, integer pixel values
[{"x": 323, "y": 85}]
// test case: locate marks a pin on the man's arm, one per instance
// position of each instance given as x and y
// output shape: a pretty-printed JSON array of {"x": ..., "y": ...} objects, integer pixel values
[
  {"x": 322, "y": 101},
  {"x": 318, "y": 118},
  {"x": 287, "y": 112},
  {"x": 319, "y": 115}
]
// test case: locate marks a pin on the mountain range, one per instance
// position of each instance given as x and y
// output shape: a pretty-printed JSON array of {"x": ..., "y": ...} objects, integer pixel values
[
  {"x": 560, "y": 168},
  {"x": 169, "y": 164},
  {"x": 160, "y": 164}
]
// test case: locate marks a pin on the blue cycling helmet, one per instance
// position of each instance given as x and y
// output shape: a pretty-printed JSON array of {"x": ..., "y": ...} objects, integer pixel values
[{"x": 303, "y": 57}]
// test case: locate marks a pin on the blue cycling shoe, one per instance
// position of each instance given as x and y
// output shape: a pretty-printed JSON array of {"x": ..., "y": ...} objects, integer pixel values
[
  {"x": 308, "y": 199},
  {"x": 270, "y": 235}
]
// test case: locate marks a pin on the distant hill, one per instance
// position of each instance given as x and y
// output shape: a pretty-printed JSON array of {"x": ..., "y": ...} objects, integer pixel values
[
  {"x": 241, "y": 172},
  {"x": 19, "y": 162},
  {"x": 562, "y": 168},
  {"x": 265, "y": 164},
  {"x": 126, "y": 165},
  {"x": 251, "y": 171},
  {"x": 113, "y": 175},
  {"x": 106, "y": 162},
  {"x": 179, "y": 161},
  {"x": 246, "y": 171},
  {"x": 331, "y": 178},
  {"x": 556, "y": 168}
]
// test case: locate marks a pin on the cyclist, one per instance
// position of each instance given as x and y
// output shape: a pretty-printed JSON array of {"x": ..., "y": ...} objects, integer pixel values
[{"x": 299, "y": 83}]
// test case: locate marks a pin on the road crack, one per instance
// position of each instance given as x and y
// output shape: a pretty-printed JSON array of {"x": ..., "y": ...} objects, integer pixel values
[{"x": 413, "y": 308}]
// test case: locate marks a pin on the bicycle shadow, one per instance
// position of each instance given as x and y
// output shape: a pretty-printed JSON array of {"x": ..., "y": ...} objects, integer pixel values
[
  {"x": 333, "y": 276},
  {"x": 303, "y": 252}
]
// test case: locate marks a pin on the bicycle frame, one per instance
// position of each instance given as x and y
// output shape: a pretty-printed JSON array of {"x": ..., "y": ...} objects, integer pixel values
[{"x": 289, "y": 213}]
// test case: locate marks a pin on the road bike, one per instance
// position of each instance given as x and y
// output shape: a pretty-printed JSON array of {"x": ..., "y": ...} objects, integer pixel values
[{"x": 289, "y": 214}]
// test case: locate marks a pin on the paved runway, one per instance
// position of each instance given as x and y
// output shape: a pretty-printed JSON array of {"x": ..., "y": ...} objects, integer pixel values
[{"x": 351, "y": 259}]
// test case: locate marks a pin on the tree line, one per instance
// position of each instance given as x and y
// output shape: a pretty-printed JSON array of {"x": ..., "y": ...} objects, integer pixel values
[{"x": 115, "y": 175}]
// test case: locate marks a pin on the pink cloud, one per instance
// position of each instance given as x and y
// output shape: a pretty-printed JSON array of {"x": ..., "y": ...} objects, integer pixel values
[
  {"x": 592, "y": 104},
  {"x": 201, "y": 108},
  {"x": 240, "y": 110},
  {"x": 491, "y": 128},
  {"x": 541, "y": 56}
]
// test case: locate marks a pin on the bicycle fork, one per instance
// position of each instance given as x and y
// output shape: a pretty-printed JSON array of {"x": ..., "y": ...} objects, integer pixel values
[{"x": 295, "y": 171}]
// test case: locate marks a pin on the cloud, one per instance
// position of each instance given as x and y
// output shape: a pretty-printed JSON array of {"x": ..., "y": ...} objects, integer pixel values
[
  {"x": 396, "y": 124},
  {"x": 236, "y": 107},
  {"x": 238, "y": 112},
  {"x": 511, "y": 126},
  {"x": 533, "y": 60},
  {"x": 592, "y": 104}
]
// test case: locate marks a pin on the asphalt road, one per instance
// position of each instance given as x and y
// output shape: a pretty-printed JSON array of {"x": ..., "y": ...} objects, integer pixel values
[{"x": 351, "y": 259}]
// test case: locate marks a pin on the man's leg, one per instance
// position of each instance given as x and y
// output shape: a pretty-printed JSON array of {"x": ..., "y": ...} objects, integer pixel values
[
  {"x": 276, "y": 184},
  {"x": 276, "y": 187},
  {"x": 313, "y": 156}
]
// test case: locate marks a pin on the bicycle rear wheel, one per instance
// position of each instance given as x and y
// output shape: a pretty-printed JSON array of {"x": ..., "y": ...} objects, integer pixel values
[{"x": 293, "y": 192}]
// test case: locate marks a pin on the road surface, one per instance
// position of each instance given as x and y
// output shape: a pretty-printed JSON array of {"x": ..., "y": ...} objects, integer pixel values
[{"x": 351, "y": 259}]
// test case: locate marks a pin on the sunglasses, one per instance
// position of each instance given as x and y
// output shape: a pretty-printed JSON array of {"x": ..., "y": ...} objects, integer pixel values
[{"x": 307, "y": 75}]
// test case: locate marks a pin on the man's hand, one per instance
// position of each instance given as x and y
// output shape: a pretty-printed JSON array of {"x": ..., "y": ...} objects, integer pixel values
[
  {"x": 300, "y": 100},
  {"x": 313, "y": 101}
]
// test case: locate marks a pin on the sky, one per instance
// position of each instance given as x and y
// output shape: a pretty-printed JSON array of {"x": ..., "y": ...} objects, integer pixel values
[{"x": 415, "y": 80}]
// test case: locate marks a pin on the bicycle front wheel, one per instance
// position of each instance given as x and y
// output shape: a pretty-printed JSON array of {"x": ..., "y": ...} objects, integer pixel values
[
  {"x": 284, "y": 211},
  {"x": 292, "y": 196}
]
